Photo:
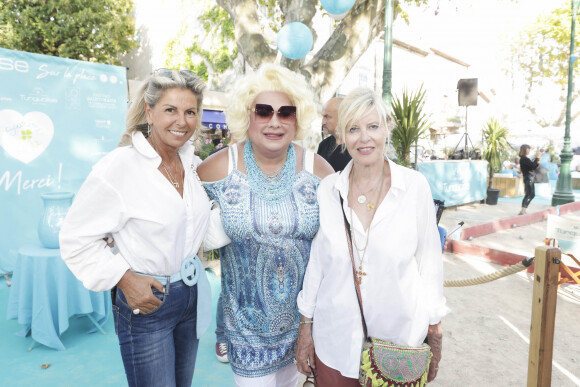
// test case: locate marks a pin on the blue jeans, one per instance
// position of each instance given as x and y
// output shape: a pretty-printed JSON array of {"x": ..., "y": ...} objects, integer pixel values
[
  {"x": 220, "y": 336},
  {"x": 159, "y": 348}
]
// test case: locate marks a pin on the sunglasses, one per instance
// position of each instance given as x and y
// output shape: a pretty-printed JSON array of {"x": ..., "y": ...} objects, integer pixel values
[
  {"x": 264, "y": 113},
  {"x": 169, "y": 72}
]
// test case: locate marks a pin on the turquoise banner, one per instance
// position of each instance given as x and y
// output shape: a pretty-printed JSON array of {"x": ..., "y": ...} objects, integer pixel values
[
  {"x": 456, "y": 181},
  {"x": 57, "y": 118}
]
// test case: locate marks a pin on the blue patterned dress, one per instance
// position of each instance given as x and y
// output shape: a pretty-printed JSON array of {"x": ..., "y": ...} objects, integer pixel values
[{"x": 263, "y": 268}]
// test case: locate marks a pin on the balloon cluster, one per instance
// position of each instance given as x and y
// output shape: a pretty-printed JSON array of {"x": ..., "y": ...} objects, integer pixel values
[{"x": 295, "y": 39}]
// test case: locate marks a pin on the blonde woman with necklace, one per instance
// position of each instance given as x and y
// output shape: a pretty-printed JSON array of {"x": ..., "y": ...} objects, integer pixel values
[
  {"x": 266, "y": 187},
  {"x": 396, "y": 253},
  {"x": 146, "y": 198}
]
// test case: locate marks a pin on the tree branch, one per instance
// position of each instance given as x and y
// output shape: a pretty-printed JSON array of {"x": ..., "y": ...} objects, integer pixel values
[
  {"x": 249, "y": 38},
  {"x": 347, "y": 43}
]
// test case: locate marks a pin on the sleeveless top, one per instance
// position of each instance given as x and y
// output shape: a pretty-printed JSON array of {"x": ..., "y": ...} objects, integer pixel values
[{"x": 263, "y": 268}]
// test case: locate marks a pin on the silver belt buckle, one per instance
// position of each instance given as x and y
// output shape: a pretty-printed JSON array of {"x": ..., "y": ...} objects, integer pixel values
[{"x": 189, "y": 271}]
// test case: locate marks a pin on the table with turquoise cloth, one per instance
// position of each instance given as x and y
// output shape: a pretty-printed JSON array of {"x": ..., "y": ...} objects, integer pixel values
[
  {"x": 456, "y": 182},
  {"x": 45, "y": 294}
]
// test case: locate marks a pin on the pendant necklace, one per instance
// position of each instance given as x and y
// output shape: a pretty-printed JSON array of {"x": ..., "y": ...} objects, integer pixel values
[
  {"x": 362, "y": 198},
  {"x": 361, "y": 252},
  {"x": 169, "y": 175}
]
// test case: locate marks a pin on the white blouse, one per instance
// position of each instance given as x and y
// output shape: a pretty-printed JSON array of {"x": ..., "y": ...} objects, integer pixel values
[
  {"x": 402, "y": 291},
  {"x": 126, "y": 197}
]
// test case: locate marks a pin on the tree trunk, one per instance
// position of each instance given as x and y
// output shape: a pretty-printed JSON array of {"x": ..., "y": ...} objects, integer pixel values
[{"x": 331, "y": 64}]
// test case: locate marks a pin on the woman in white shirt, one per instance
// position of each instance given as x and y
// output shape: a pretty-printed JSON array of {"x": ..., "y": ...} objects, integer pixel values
[
  {"x": 147, "y": 200},
  {"x": 396, "y": 249}
]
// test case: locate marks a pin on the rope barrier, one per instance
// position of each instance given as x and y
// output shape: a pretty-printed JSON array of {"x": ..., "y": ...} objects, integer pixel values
[{"x": 524, "y": 264}]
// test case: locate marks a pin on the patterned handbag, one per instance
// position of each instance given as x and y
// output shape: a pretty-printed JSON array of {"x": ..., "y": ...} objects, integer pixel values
[{"x": 385, "y": 364}]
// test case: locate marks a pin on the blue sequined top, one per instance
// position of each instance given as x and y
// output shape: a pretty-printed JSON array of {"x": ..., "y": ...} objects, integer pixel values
[{"x": 263, "y": 268}]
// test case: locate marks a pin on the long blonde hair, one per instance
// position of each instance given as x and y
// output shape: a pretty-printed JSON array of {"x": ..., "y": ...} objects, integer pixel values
[{"x": 151, "y": 92}]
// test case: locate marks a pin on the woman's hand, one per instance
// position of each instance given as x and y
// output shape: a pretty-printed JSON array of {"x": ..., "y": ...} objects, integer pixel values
[
  {"x": 305, "y": 349},
  {"x": 137, "y": 291},
  {"x": 435, "y": 339}
]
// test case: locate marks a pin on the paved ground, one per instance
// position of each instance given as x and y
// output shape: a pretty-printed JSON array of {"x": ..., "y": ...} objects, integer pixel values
[{"x": 486, "y": 336}]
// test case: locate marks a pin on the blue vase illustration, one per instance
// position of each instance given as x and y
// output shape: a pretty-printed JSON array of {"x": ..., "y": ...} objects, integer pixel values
[{"x": 56, "y": 205}]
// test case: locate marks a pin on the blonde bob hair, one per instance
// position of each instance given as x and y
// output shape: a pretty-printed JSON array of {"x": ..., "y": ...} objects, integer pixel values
[
  {"x": 355, "y": 106},
  {"x": 270, "y": 77},
  {"x": 151, "y": 92}
]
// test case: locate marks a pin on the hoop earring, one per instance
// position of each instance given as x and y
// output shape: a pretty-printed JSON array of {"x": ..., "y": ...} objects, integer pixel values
[{"x": 148, "y": 130}]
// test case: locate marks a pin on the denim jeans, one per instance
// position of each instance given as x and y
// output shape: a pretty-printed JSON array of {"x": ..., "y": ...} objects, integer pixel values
[
  {"x": 159, "y": 348},
  {"x": 220, "y": 336}
]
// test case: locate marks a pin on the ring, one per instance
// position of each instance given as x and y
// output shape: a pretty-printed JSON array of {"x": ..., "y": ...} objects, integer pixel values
[
  {"x": 136, "y": 311},
  {"x": 295, "y": 361}
]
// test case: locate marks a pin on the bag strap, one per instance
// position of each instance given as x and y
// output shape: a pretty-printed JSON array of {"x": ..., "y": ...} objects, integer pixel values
[{"x": 357, "y": 288}]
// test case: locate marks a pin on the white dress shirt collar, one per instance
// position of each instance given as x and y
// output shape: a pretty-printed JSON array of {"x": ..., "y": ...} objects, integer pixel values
[
  {"x": 144, "y": 147},
  {"x": 397, "y": 179}
]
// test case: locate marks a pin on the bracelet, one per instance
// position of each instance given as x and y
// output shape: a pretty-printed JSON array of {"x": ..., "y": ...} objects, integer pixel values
[{"x": 307, "y": 322}]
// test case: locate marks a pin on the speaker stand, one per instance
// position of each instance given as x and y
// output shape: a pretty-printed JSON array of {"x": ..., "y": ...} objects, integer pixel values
[{"x": 467, "y": 138}]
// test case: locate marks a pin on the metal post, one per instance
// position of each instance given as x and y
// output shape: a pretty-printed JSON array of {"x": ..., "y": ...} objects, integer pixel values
[
  {"x": 387, "y": 62},
  {"x": 563, "y": 193},
  {"x": 466, "y": 151}
]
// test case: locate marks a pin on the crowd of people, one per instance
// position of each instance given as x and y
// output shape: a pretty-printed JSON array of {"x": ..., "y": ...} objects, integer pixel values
[{"x": 328, "y": 252}]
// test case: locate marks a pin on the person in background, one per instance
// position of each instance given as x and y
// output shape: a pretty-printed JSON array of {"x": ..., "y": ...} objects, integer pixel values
[
  {"x": 542, "y": 175},
  {"x": 329, "y": 147},
  {"x": 146, "y": 199},
  {"x": 266, "y": 188},
  {"x": 395, "y": 245},
  {"x": 575, "y": 162},
  {"x": 528, "y": 168}
]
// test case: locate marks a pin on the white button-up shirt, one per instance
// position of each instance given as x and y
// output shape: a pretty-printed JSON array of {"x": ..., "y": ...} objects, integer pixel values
[
  {"x": 125, "y": 196},
  {"x": 402, "y": 292}
]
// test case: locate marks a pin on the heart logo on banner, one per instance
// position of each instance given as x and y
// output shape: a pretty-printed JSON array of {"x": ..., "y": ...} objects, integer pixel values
[{"x": 25, "y": 137}]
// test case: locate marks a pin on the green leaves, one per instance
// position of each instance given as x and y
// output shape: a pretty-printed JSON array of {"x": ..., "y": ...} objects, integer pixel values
[
  {"x": 410, "y": 122},
  {"x": 95, "y": 31},
  {"x": 218, "y": 28},
  {"x": 496, "y": 145}
]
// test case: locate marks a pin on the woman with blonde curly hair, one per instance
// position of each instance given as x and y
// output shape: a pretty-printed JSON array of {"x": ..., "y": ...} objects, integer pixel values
[{"x": 266, "y": 187}]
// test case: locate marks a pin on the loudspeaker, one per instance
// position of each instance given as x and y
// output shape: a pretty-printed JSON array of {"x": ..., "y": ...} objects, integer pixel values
[{"x": 467, "y": 92}]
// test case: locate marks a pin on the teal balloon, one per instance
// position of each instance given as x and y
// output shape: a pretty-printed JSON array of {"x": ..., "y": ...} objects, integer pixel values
[
  {"x": 337, "y": 7},
  {"x": 295, "y": 40}
]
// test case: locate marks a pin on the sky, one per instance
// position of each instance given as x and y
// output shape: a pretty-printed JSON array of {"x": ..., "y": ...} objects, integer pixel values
[{"x": 473, "y": 30}]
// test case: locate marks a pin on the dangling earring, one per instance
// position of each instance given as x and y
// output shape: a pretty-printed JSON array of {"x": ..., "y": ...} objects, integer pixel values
[{"x": 148, "y": 130}]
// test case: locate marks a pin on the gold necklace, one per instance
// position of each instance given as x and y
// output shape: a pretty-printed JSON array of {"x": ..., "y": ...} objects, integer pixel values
[
  {"x": 169, "y": 175},
  {"x": 362, "y": 198},
  {"x": 360, "y": 273}
]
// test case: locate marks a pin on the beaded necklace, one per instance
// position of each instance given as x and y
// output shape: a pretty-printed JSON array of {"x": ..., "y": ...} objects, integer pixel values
[{"x": 270, "y": 187}]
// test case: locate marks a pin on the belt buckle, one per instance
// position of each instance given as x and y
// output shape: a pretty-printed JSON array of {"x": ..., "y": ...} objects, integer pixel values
[{"x": 189, "y": 271}]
